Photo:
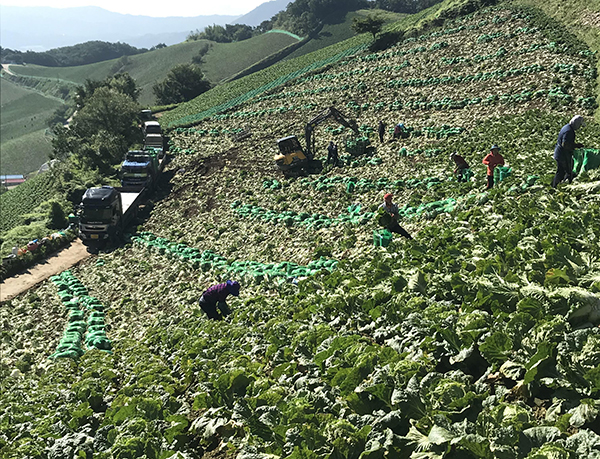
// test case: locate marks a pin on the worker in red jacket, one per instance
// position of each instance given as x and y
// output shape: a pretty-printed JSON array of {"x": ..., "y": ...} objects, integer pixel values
[
  {"x": 214, "y": 297},
  {"x": 493, "y": 159}
]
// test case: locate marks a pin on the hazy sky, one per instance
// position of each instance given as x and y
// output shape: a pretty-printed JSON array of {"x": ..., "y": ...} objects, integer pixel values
[{"x": 152, "y": 8}]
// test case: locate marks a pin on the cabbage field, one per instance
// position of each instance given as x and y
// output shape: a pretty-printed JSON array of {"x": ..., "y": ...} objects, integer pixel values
[{"x": 479, "y": 338}]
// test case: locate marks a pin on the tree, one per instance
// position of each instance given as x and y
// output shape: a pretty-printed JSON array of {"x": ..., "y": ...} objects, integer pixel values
[
  {"x": 101, "y": 132},
  {"x": 183, "y": 83},
  {"x": 369, "y": 24},
  {"x": 121, "y": 82}
]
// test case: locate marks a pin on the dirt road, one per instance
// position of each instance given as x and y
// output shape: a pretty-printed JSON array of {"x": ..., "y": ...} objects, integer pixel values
[
  {"x": 6, "y": 68},
  {"x": 56, "y": 263}
]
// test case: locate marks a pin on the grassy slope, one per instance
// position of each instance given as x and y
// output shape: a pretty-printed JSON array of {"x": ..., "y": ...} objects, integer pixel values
[
  {"x": 23, "y": 141},
  {"x": 335, "y": 33},
  {"x": 227, "y": 59},
  {"x": 397, "y": 341},
  {"x": 224, "y": 60}
]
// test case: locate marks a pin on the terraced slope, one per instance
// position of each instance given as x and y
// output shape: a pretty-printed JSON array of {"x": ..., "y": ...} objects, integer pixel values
[
  {"x": 23, "y": 137},
  {"x": 476, "y": 339}
]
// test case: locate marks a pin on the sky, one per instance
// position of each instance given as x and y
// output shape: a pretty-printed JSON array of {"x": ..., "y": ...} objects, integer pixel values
[{"x": 152, "y": 8}]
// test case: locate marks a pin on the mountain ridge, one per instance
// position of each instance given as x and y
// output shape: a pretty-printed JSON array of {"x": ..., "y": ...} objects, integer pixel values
[{"x": 49, "y": 27}]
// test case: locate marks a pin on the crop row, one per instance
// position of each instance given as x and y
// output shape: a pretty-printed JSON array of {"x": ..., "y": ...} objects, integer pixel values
[
  {"x": 553, "y": 96},
  {"x": 24, "y": 199},
  {"x": 79, "y": 330},
  {"x": 498, "y": 74},
  {"x": 292, "y": 218},
  {"x": 354, "y": 184},
  {"x": 248, "y": 270}
]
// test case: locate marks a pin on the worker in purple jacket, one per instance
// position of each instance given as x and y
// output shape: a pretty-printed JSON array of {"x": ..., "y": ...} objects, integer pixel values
[{"x": 214, "y": 298}]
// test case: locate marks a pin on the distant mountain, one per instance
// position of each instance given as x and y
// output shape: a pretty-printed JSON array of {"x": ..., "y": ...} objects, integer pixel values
[
  {"x": 44, "y": 28},
  {"x": 263, "y": 12}
]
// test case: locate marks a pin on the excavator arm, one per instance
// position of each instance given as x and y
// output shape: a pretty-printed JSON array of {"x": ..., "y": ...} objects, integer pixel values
[{"x": 330, "y": 112}]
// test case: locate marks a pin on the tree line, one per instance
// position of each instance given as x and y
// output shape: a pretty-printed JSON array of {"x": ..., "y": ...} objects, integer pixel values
[
  {"x": 303, "y": 16},
  {"x": 80, "y": 54}
]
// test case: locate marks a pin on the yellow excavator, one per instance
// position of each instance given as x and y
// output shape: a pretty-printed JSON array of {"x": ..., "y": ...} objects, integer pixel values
[{"x": 292, "y": 156}]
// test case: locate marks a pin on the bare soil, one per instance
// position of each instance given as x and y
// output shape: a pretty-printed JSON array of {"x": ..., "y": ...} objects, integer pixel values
[{"x": 54, "y": 264}]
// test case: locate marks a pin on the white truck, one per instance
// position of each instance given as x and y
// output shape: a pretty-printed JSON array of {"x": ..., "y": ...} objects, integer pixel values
[{"x": 153, "y": 137}]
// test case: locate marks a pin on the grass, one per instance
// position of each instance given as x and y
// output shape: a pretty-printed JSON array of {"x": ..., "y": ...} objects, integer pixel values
[
  {"x": 224, "y": 60},
  {"x": 23, "y": 142},
  {"x": 227, "y": 59},
  {"x": 335, "y": 33}
]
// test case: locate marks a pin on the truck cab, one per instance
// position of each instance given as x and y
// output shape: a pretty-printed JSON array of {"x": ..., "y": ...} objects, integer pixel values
[
  {"x": 100, "y": 215},
  {"x": 139, "y": 169},
  {"x": 153, "y": 137}
]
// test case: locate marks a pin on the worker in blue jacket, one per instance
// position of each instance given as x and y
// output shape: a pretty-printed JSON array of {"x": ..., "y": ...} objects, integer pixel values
[{"x": 563, "y": 151}]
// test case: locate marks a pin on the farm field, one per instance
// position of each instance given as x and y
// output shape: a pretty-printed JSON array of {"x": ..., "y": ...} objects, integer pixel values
[
  {"x": 478, "y": 338},
  {"x": 24, "y": 144}
]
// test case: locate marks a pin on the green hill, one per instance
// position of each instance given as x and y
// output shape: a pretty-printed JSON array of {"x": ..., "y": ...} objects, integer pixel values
[
  {"x": 24, "y": 141},
  {"x": 478, "y": 338},
  {"x": 223, "y": 60}
]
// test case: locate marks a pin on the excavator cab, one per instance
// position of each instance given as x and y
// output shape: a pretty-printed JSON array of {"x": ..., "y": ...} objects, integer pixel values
[
  {"x": 290, "y": 153},
  {"x": 292, "y": 156}
]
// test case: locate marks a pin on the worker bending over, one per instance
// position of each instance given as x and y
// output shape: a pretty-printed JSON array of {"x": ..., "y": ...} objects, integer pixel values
[
  {"x": 461, "y": 167},
  {"x": 392, "y": 210},
  {"x": 214, "y": 298}
]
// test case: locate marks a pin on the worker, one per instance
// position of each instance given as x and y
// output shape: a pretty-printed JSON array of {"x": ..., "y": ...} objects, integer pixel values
[
  {"x": 461, "y": 167},
  {"x": 400, "y": 131},
  {"x": 332, "y": 153},
  {"x": 563, "y": 151},
  {"x": 392, "y": 210},
  {"x": 381, "y": 130},
  {"x": 214, "y": 298},
  {"x": 493, "y": 159}
]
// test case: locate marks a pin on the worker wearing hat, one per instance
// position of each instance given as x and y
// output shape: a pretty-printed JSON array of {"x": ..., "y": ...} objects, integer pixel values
[
  {"x": 563, "y": 151},
  {"x": 493, "y": 159},
  {"x": 214, "y": 297},
  {"x": 392, "y": 210},
  {"x": 461, "y": 167}
]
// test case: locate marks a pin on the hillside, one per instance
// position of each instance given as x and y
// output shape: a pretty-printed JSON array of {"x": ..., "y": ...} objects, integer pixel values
[
  {"x": 24, "y": 141},
  {"x": 340, "y": 30},
  {"x": 478, "y": 338},
  {"x": 262, "y": 12},
  {"x": 222, "y": 61}
]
